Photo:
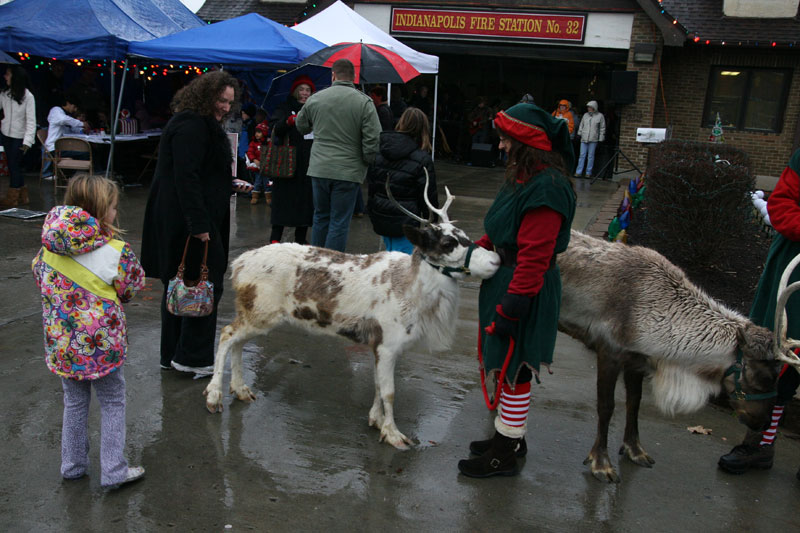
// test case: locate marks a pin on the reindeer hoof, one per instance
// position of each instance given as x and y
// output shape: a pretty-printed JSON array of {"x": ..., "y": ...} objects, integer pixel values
[
  {"x": 213, "y": 399},
  {"x": 244, "y": 394},
  {"x": 395, "y": 438},
  {"x": 609, "y": 476},
  {"x": 601, "y": 469},
  {"x": 637, "y": 455}
]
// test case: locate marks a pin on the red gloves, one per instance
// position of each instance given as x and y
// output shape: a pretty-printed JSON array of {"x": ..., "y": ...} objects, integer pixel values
[{"x": 290, "y": 120}]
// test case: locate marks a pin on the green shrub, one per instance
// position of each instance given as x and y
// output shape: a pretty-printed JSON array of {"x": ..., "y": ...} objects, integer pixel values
[{"x": 698, "y": 201}]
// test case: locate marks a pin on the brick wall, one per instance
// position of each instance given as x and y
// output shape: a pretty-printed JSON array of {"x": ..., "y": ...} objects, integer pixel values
[
  {"x": 640, "y": 114},
  {"x": 686, "y": 74}
]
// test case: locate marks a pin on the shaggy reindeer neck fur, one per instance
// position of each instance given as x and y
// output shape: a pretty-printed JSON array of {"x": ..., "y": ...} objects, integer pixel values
[
  {"x": 631, "y": 299},
  {"x": 437, "y": 297}
]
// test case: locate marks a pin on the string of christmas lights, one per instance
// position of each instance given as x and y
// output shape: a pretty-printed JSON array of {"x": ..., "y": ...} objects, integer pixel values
[
  {"x": 308, "y": 11},
  {"x": 696, "y": 38},
  {"x": 149, "y": 71}
]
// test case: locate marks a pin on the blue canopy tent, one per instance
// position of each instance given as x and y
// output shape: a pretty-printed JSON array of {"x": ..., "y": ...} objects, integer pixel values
[
  {"x": 250, "y": 40},
  {"x": 240, "y": 44},
  {"x": 98, "y": 29}
]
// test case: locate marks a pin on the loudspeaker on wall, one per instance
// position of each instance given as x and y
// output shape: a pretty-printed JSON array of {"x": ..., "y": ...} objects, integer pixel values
[{"x": 623, "y": 86}]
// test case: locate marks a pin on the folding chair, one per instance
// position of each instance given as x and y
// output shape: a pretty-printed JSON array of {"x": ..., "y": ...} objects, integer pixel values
[
  {"x": 41, "y": 135},
  {"x": 70, "y": 144}
]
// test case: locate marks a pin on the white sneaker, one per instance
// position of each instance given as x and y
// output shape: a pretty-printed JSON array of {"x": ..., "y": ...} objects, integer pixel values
[
  {"x": 134, "y": 473},
  {"x": 198, "y": 371}
]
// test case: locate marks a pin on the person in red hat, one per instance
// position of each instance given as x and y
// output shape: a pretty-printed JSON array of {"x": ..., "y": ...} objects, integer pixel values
[
  {"x": 292, "y": 200},
  {"x": 255, "y": 150},
  {"x": 527, "y": 225}
]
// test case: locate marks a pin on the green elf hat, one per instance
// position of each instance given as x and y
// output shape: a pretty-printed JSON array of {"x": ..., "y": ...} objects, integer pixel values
[{"x": 532, "y": 125}]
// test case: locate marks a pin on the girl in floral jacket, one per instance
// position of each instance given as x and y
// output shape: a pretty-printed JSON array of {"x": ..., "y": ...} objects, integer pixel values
[{"x": 84, "y": 274}]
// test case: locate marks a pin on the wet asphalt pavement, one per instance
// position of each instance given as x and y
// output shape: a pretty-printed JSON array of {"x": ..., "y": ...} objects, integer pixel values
[{"x": 302, "y": 458}]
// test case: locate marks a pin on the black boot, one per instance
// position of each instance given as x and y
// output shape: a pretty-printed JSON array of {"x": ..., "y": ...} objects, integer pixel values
[
  {"x": 745, "y": 456},
  {"x": 479, "y": 447},
  {"x": 499, "y": 460}
]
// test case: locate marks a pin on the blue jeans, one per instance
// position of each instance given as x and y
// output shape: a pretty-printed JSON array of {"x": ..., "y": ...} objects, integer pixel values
[
  {"x": 398, "y": 244},
  {"x": 260, "y": 182},
  {"x": 587, "y": 156},
  {"x": 333, "y": 208},
  {"x": 12, "y": 146}
]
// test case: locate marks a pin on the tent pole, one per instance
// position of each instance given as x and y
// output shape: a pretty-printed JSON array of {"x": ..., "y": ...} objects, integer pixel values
[
  {"x": 111, "y": 101},
  {"x": 435, "y": 112},
  {"x": 115, "y": 121}
]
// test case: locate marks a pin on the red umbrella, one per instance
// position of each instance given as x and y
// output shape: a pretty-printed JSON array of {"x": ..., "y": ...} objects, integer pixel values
[{"x": 373, "y": 63}]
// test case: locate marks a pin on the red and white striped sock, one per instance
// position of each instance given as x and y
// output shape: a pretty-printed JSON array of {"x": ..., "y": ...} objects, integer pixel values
[
  {"x": 768, "y": 435},
  {"x": 514, "y": 404}
]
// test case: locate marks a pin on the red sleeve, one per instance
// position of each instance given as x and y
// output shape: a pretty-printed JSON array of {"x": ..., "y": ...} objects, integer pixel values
[
  {"x": 536, "y": 241},
  {"x": 484, "y": 242},
  {"x": 782, "y": 205},
  {"x": 253, "y": 151}
]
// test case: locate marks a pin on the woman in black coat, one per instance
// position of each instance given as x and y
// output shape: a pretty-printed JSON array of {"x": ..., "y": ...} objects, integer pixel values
[
  {"x": 190, "y": 195},
  {"x": 404, "y": 156},
  {"x": 292, "y": 199}
]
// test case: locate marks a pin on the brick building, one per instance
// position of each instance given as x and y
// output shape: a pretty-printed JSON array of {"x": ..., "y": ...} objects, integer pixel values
[{"x": 649, "y": 63}]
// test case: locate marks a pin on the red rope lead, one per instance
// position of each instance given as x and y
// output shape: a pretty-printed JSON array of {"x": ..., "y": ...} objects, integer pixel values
[{"x": 490, "y": 331}]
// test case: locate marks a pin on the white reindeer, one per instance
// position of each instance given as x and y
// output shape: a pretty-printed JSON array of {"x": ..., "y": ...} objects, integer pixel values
[{"x": 387, "y": 300}]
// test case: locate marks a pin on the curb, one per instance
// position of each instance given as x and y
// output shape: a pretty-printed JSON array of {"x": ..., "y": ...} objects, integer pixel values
[{"x": 598, "y": 226}]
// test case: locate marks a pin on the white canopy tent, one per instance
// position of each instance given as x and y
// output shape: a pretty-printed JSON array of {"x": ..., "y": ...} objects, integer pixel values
[{"x": 338, "y": 24}]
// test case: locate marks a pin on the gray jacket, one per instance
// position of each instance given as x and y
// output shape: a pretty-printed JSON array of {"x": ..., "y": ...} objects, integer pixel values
[
  {"x": 593, "y": 126},
  {"x": 346, "y": 132}
]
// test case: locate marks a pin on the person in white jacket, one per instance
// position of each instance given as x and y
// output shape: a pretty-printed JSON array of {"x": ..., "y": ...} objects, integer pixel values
[
  {"x": 17, "y": 131},
  {"x": 592, "y": 131},
  {"x": 60, "y": 122}
]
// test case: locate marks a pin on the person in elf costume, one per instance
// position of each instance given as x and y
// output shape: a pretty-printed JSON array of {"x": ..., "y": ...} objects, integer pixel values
[
  {"x": 757, "y": 450},
  {"x": 528, "y": 225}
]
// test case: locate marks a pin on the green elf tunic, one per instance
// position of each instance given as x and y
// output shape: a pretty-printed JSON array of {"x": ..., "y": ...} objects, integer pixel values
[
  {"x": 536, "y": 334},
  {"x": 784, "y": 214}
]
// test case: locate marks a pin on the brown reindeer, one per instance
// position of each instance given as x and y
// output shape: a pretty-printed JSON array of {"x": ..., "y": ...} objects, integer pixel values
[{"x": 665, "y": 326}]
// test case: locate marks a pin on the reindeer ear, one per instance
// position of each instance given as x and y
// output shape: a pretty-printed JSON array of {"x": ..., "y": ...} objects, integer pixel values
[
  {"x": 415, "y": 235},
  {"x": 755, "y": 342}
]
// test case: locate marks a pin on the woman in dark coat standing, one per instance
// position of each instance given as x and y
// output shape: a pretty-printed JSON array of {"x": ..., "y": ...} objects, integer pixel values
[
  {"x": 190, "y": 195},
  {"x": 292, "y": 200},
  {"x": 405, "y": 155}
]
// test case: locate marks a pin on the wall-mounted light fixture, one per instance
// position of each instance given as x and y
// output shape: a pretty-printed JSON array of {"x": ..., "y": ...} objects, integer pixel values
[{"x": 644, "y": 52}]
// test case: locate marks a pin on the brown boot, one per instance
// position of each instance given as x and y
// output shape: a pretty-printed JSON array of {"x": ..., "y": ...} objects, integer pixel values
[
  {"x": 254, "y": 196},
  {"x": 23, "y": 196},
  {"x": 268, "y": 196},
  {"x": 11, "y": 198}
]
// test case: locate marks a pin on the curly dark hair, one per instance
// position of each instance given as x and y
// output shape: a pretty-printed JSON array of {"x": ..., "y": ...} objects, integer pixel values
[
  {"x": 201, "y": 94},
  {"x": 525, "y": 161}
]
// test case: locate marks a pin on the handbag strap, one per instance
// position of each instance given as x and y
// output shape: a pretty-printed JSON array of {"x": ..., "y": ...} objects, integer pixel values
[{"x": 203, "y": 266}]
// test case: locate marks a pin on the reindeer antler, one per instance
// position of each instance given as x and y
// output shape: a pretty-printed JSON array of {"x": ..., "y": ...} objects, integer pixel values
[
  {"x": 443, "y": 211},
  {"x": 783, "y": 345},
  {"x": 401, "y": 208}
]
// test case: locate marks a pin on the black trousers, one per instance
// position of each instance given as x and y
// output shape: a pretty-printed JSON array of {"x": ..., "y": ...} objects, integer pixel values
[{"x": 188, "y": 341}]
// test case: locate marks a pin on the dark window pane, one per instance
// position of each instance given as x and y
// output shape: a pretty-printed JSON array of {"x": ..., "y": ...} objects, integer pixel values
[
  {"x": 728, "y": 87},
  {"x": 763, "y": 103}
]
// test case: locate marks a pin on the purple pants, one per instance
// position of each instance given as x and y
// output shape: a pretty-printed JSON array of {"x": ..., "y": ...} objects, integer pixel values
[{"x": 110, "y": 392}]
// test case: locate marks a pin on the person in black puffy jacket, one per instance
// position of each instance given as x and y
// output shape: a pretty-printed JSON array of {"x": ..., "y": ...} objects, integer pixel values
[{"x": 404, "y": 156}]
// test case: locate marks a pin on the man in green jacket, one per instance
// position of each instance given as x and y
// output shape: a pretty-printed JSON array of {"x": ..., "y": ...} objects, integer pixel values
[{"x": 346, "y": 136}]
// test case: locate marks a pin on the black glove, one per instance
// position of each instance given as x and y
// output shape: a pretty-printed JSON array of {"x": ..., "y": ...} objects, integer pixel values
[{"x": 511, "y": 309}]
